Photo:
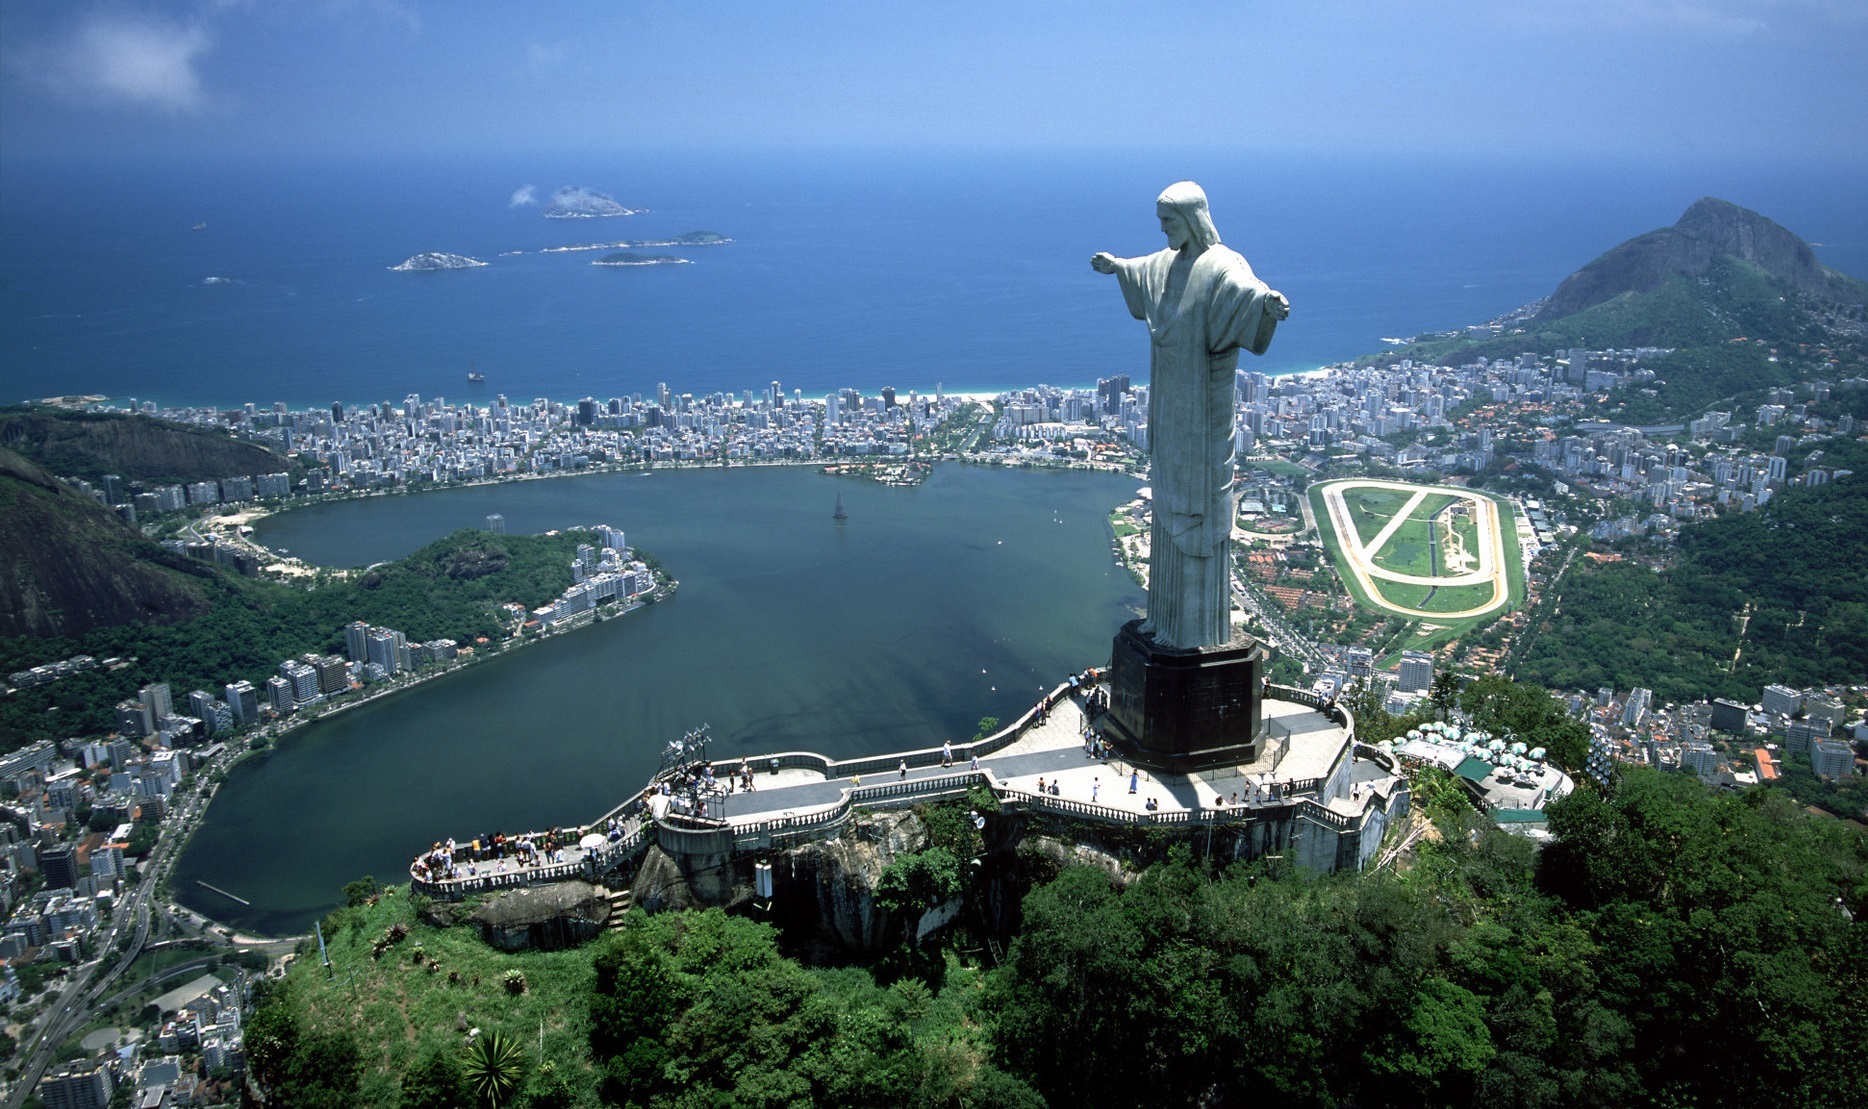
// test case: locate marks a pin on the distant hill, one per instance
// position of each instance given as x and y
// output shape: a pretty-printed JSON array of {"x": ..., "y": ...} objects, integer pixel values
[
  {"x": 68, "y": 565},
  {"x": 1710, "y": 231},
  {"x": 89, "y": 445},
  {"x": 1721, "y": 274}
]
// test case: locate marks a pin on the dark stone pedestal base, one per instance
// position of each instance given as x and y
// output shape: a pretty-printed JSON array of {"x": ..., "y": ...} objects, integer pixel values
[{"x": 1178, "y": 709}]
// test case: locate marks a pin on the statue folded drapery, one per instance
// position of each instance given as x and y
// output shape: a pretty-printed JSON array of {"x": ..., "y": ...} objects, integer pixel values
[{"x": 1203, "y": 305}]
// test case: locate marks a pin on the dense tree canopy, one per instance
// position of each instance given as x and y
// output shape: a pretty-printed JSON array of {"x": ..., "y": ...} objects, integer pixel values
[
  {"x": 1672, "y": 946},
  {"x": 1776, "y": 595},
  {"x": 1675, "y": 947}
]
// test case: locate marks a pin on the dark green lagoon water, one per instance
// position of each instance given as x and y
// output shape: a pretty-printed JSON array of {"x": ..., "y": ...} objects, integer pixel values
[{"x": 928, "y": 609}]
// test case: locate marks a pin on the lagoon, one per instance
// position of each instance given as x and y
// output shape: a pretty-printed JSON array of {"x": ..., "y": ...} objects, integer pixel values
[{"x": 927, "y": 609}]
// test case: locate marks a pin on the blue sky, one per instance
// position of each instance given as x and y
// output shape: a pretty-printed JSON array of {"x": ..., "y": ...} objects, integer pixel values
[{"x": 1681, "y": 79}]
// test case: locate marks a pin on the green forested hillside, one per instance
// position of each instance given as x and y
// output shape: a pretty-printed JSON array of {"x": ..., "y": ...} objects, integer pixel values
[
  {"x": 1674, "y": 947},
  {"x": 68, "y": 564},
  {"x": 449, "y": 589},
  {"x": 1783, "y": 589},
  {"x": 89, "y": 445}
]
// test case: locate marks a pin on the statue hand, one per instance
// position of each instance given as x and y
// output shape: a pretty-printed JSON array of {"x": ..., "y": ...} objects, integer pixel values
[
  {"x": 1103, "y": 262},
  {"x": 1276, "y": 306}
]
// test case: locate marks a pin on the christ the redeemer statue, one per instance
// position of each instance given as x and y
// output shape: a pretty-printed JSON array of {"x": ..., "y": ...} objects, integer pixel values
[{"x": 1203, "y": 305}]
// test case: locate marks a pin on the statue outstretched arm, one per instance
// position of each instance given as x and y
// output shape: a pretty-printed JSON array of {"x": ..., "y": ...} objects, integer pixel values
[
  {"x": 1276, "y": 306},
  {"x": 1103, "y": 262}
]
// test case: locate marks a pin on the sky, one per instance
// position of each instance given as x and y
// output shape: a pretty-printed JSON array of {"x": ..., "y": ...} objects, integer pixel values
[{"x": 1669, "y": 79}]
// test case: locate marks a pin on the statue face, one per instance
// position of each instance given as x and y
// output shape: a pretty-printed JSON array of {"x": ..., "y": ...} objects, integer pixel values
[{"x": 1174, "y": 226}]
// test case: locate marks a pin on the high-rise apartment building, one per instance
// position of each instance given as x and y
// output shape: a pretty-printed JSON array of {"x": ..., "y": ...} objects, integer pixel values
[{"x": 244, "y": 701}]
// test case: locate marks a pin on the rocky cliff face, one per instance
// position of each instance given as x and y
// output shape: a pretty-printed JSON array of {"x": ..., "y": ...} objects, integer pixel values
[
  {"x": 1710, "y": 230},
  {"x": 827, "y": 890},
  {"x": 662, "y": 884},
  {"x": 68, "y": 564}
]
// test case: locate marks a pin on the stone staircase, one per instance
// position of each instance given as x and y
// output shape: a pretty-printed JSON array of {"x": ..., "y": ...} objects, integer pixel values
[{"x": 619, "y": 900}]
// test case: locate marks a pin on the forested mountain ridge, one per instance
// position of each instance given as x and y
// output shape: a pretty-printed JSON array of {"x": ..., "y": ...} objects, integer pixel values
[
  {"x": 68, "y": 565},
  {"x": 1740, "y": 301},
  {"x": 89, "y": 445},
  {"x": 449, "y": 589}
]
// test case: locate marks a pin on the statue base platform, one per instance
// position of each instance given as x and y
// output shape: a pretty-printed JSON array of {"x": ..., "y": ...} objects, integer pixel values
[{"x": 1181, "y": 709}]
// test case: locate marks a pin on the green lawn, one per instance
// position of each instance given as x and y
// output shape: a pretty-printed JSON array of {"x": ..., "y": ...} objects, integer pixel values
[
  {"x": 1409, "y": 549},
  {"x": 1370, "y": 510},
  {"x": 401, "y": 1008},
  {"x": 1456, "y": 598}
]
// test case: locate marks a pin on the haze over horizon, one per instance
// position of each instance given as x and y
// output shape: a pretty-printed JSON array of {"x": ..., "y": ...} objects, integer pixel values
[{"x": 1662, "y": 80}]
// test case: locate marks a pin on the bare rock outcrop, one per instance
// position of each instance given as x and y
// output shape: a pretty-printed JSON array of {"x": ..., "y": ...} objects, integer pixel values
[
  {"x": 828, "y": 889},
  {"x": 660, "y": 886},
  {"x": 543, "y": 918},
  {"x": 1044, "y": 857}
]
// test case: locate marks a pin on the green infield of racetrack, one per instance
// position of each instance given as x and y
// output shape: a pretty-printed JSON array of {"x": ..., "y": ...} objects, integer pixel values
[
  {"x": 1401, "y": 594},
  {"x": 1447, "y": 598},
  {"x": 1372, "y": 509}
]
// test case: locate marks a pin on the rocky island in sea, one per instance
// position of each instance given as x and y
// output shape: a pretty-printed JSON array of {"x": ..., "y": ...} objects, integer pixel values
[
  {"x": 435, "y": 260},
  {"x": 691, "y": 238},
  {"x": 632, "y": 258},
  {"x": 576, "y": 202}
]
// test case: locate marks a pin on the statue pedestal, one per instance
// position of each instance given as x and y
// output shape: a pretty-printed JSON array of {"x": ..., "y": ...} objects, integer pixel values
[{"x": 1179, "y": 709}]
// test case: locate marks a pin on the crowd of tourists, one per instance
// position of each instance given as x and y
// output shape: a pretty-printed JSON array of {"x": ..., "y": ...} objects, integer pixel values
[{"x": 493, "y": 853}]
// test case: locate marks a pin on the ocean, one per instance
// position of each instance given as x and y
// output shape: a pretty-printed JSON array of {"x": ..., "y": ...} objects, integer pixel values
[{"x": 966, "y": 271}]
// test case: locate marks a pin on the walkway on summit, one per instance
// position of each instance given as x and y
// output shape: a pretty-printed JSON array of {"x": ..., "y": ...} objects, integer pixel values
[
  {"x": 1304, "y": 747},
  {"x": 1056, "y": 751}
]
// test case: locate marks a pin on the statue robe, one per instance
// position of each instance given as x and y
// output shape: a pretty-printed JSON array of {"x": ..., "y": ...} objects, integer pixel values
[{"x": 1199, "y": 316}]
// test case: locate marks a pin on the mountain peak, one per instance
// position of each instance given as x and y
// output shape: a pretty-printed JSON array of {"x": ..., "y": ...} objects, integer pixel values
[{"x": 1710, "y": 230}]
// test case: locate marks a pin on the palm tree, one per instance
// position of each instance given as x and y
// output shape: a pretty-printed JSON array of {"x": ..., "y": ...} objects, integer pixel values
[{"x": 494, "y": 1065}]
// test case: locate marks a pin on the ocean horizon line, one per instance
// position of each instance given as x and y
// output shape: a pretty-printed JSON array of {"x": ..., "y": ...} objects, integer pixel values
[{"x": 971, "y": 392}]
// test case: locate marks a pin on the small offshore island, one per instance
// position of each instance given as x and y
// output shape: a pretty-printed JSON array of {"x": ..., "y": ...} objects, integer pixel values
[
  {"x": 691, "y": 238},
  {"x": 576, "y": 202},
  {"x": 631, "y": 258},
  {"x": 434, "y": 261}
]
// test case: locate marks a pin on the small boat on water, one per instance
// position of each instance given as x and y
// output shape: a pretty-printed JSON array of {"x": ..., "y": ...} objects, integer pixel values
[
  {"x": 474, "y": 375},
  {"x": 839, "y": 514}
]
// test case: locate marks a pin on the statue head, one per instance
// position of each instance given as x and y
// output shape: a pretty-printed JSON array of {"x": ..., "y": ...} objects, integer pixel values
[{"x": 1186, "y": 202}]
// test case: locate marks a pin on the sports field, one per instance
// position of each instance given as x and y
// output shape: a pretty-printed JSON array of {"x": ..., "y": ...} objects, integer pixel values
[{"x": 1421, "y": 551}]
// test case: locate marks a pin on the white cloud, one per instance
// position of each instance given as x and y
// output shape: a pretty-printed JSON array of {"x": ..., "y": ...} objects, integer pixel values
[
  {"x": 129, "y": 58},
  {"x": 523, "y": 195}
]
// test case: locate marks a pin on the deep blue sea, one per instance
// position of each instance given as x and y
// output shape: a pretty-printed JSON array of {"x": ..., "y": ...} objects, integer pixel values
[{"x": 911, "y": 269}]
